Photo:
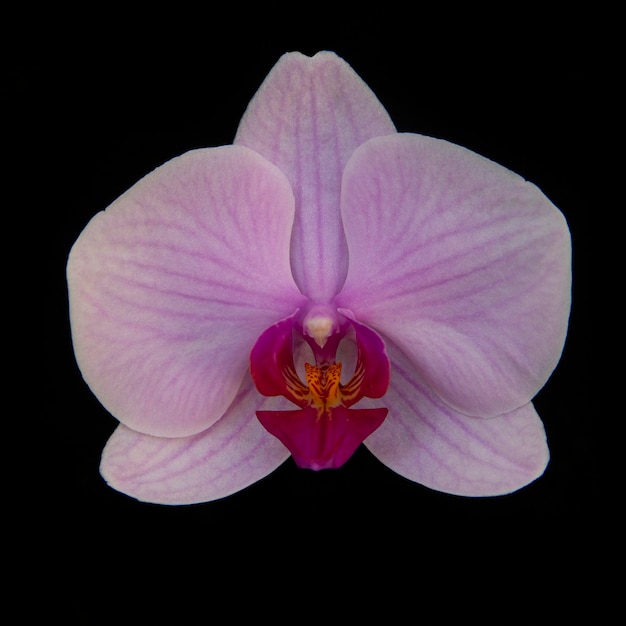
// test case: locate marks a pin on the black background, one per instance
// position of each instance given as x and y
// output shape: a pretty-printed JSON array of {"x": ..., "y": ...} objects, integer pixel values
[{"x": 118, "y": 94}]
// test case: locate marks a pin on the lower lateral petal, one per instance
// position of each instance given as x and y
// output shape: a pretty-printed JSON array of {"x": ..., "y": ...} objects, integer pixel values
[
  {"x": 229, "y": 456},
  {"x": 430, "y": 443}
]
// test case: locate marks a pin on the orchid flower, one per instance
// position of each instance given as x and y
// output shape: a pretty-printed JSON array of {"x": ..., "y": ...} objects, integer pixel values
[{"x": 323, "y": 282}]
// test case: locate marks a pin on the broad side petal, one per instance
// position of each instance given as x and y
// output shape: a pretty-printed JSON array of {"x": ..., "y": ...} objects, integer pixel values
[
  {"x": 426, "y": 441},
  {"x": 462, "y": 263},
  {"x": 308, "y": 117},
  {"x": 232, "y": 454},
  {"x": 171, "y": 285}
]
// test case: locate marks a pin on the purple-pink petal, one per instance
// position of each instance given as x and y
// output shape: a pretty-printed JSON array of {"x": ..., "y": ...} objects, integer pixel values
[
  {"x": 323, "y": 433},
  {"x": 272, "y": 362},
  {"x": 308, "y": 117},
  {"x": 372, "y": 357},
  {"x": 172, "y": 284},
  {"x": 462, "y": 263},
  {"x": 322, "y": 442},
  {"x": 232, "y": 454},
  {"x": 428, "y": 442}
]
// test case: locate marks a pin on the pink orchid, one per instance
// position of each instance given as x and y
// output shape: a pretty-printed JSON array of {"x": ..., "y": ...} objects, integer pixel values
[{"x": 323, "y": 282}]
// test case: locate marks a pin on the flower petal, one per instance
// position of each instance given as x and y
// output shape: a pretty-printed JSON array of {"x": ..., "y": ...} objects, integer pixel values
[
  {"x": 272, "y": 364},
  {"x": 430, "y": 443},
  {"x": 307, "y": 117},
  {"x": 372, "y": 359},
  {"x": 462, "y": 263},
  {"x": 172, "y": 284},
  {"x": 274, "y": 372},
  {"x": 322, "y": 442},
  {"x": 232, "y": 454}
]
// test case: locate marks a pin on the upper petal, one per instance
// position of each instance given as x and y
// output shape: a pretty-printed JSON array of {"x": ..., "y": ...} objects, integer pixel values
[
  {"x": 462, "y": 263},
  {"x": 232, "y": 454},
  {"x": 171, "y": 285},
  {"x": 307, "y": 117},
  {"x": 428, "y": 442}
]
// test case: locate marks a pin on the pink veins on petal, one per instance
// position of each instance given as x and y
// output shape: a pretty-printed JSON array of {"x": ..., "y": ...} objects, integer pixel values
[{"x": 259, "y": 279}]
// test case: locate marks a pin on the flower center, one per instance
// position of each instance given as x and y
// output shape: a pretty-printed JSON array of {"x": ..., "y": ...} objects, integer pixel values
[
  {"x": 323, "y": 389},
  {"x": 324, "y": 386},
  {"x": 324, "y": 431}
]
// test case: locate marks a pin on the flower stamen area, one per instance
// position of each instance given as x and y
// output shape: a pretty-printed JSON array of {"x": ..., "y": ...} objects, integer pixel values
[
  {"x": 324, "y": 432},
  {"x": 324, "y": 386}
]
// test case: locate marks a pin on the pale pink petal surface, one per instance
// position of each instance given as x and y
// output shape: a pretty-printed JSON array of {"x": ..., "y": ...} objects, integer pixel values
[
  {"x": 308, "y": 117},
  {"x": 232, "y": 454},
  {"x": 319, "y": 233},
  {"x": 172, "y": 284},
  {"x": 428, "y": 442},
  {"x": 460, "y": 262}
]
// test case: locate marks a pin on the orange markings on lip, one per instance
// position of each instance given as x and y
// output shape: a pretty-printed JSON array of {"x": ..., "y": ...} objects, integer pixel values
[
  {"x": 323, "y": 389},
  {"x": 324, "y": 386}
]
